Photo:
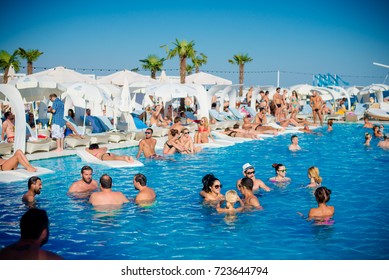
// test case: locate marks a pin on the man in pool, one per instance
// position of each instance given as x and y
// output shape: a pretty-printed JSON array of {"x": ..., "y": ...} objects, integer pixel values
[
  {"x": 249, "y": 172},
  {"x": 146, "y": 194},
  {"x": 34, "y": 188},
  {"x": 246, "y": 188},
  {"x": 295, "y": 143},
  {"x": 147, "y": 146},
  {"x": 106, "y": 196},
  {"x": 34, "y": 232},
  {"x": 86, "y": 184}
]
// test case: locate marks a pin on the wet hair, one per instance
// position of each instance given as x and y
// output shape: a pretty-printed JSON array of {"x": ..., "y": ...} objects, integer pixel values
[
  {"x": 86, "y": 167},
  {"x": 208, "y": 181},
  {"x": 231, "y": 196},
  {"x": 367, "y": 135},
  {"x": 106, "y": 181},
  {"x": 314, "y": 173},
  {"x": 33, "y": 181},
  {"x": 141, "y": 179},
  {"x": 277, "y": 166},
  {"x": 173, "y": 132},
  {"x": 71, "y": 113},
  {"x": 293, "y": 136},
  {"x": 248, "y": 183},
  {"x": 93, "y": 146},
  {"x": 330, "y": 122},
  {"x": 32, "y": 223},
  {"x": 322, "y": 194}
]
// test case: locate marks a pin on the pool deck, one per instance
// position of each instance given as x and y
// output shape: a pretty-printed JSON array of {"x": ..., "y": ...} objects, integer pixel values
[{"x": 71, "y": 152}]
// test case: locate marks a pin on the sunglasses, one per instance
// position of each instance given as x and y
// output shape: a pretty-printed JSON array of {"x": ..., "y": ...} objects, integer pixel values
[
  {"x": 282, "y": 170},
  {"x": 186, "y": 132},
  {"x": 218, "y": 186},
  {"x": 147, "y": 132},
  {"x": 251, "y": 172}
]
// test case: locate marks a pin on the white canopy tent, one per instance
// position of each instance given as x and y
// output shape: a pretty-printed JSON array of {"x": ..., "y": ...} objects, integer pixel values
[
  {"x": 120, "y": 77},
  {"x": 202, "y": 78}
]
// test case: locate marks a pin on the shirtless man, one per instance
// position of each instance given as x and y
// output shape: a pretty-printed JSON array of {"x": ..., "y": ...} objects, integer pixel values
[
  {"x": 384, "y": 143},
  {"x": 106, "y": 196},
  {"x": 146, "y": 194},
  {"x": 147, "y": 146},
  {"x": 246, "y": 188},
  {"x": 277, "y": 99},
  {"x": 260, "y": 117},
  {"x": 34, "y": 231},
  {"x": 8, "y": 128},
  {"x": 295, "y": 144},
  {"x": 34, "y": 188},
  {"x": 316, "y": 103},
  {"x": 86, "y": 184},
  {"x": 249, "y": 172},
  {"x": 367, "y": 124},
  {"x": 257, "y": 128}
]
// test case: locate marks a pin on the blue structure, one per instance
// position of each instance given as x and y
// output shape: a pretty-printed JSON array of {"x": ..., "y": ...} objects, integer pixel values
[{"x": 325, "y": 80}]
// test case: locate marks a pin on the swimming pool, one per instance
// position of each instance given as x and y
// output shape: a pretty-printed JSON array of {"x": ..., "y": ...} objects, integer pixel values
[{"x": 179, "y": 227}]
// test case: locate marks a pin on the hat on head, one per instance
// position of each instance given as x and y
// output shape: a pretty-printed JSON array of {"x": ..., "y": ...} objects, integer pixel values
[{"x": 247, "y": 166}]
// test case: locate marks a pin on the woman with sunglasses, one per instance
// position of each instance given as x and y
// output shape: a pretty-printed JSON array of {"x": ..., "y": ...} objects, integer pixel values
[
  {"x": 211, "y": 189},
  {"x": 280, "y": 174},
  {"x": 186, "y": 141}
]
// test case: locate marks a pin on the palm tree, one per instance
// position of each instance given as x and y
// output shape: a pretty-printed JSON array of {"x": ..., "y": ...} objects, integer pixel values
[
  {"x": 184, "y": 50},
  {"x": 189, "y": 69},
  {"x": 199, "y": 61},
  {"x": 241, "y": 60},
  {"x": 153, "y": 63},
  {"x": 6, "y": 60},
  {"x": 30, "y": 56}
]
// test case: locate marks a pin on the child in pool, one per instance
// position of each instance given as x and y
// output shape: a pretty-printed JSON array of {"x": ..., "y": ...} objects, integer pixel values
[{"x": 231, "y": 198}]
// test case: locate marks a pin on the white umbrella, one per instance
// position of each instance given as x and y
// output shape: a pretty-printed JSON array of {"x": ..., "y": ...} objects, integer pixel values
[
  {"x": 62, "y": 75},
  {"x": 168, "y": 91},
  {"x": 163, "y": 77},
  {"x": 11, "y": 73},
  {"x": 202, "y": 78},
  {"x": 124, "y": 98},
  {"x": 120, "y": 77}
]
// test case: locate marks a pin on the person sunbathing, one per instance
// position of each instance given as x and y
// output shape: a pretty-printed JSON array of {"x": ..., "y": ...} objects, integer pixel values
[
  {"x": 103, "y": 154},
  {"x": 13, "y": 162}
]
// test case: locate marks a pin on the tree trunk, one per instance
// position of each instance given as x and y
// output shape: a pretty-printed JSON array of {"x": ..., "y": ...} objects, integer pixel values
[
  {"x": 153, "y": 74},
  {"x": 182, "y": 79},
  {"x": 241, "y": 78},
  {"x": 5, "y": 77},
  {"x": 29, "y": 68},
  {"x": 197, "y": 69}
]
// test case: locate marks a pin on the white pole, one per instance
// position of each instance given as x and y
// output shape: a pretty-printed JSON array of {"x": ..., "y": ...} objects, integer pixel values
[
  {"x": 278, "y": 78},
  {"x": 382, "y": 65},
  {"x": 83, "y": 129}
]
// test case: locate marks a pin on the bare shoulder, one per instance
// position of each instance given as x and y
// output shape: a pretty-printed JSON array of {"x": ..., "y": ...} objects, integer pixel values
[{"x": 47, "y": 255}]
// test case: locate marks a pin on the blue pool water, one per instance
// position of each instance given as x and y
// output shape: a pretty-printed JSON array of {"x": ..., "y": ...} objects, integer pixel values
[{"x": 179, "y": 226}]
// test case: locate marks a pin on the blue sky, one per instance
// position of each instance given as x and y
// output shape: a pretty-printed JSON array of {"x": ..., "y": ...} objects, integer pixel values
[{"x": 306, "y": 37}]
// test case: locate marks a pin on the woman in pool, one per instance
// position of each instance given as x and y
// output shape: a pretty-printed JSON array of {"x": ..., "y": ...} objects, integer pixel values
[
  {"x": 367, "y": 139},
  {"x": 231, "y": 198},
  {"x": 329, "y": 125},
  {"x": 173, "y": 145},
  {"x": 323, "y": 211},
  {"x": 280, "y": 173},
  {"x": 313, "y": 174},
  {"x": 187, "y": 142},
  {"x": 377, "y": 132},
  {"x": 13, "y": 162},
  {"x": 211, "y": 189},
  {"x": 102, "y": 154},
  {"x": 203, "y": 132}
]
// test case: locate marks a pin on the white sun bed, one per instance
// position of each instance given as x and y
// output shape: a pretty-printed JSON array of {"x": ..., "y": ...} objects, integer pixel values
[
  {"x": 73, "y": 142},
  {"x": 6, "y": 148},
  {"x": 40, "y": 146},
  {"x": 21, "y": 174},
  {"x": 84, "y": 155}
]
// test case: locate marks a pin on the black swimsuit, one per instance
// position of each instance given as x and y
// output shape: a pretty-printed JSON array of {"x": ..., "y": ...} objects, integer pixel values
[{"x": 170, "y": 146}]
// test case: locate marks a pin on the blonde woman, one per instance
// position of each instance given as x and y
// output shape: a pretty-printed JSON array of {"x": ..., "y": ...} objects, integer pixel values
[
  {"x": 187, "y": 142},
  {"x": 203, "y": 132},
  {"x": 314, "y": 176},
  {"x": 231, "y": 198}
]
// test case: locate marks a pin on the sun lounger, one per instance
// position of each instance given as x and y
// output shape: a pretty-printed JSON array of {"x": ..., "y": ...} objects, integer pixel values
[
  {"x": 6, "y": 148},
  {"x": 40, "y": 146},
  {"x": 21, "y": 174},
  {"x": 236, "y": 113},
  {"x": 99, "y": 138},
  {"x": 84, "y": 155},
  {"x": 73, "y": 142}
]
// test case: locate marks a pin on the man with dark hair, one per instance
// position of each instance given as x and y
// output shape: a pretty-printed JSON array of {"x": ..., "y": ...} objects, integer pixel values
[
  {"x": 106, "y": 196},
  {"x": 34, "y": 233},
  {"x": 147, "y": 146},
  {"x": 34, "y": 188},
  {"x": 246, "y": 188},
  {"x": 295, "y": 143},
  {"x": 86, "y": 184},
  {"x": 146, "y": 195},
  {"x": 8, "y": 128}
]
